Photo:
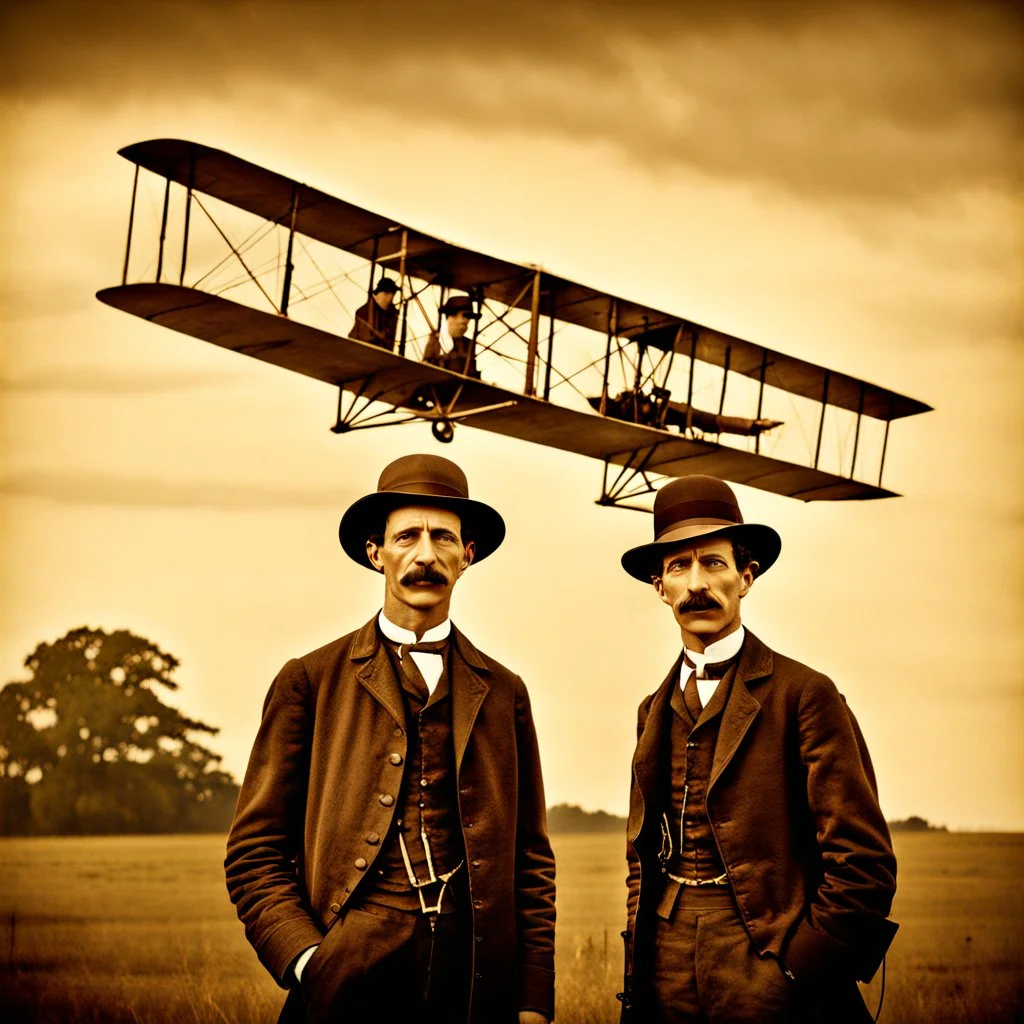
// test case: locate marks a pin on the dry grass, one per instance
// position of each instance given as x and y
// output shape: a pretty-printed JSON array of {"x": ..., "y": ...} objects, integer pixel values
[{"x": 140, "y": 930}]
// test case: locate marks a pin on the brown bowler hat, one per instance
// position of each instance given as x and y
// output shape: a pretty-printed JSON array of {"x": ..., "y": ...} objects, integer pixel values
[
  {"x": 699, "y": 506},
  {"x": 420, "y": 480}
]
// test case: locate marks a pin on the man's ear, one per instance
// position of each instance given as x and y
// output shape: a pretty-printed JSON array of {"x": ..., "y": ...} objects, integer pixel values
[
  {"x": 748, "y": 576},
  {"x": 468, "y": 554},
  {"x": 659, "y": 588},
  {"x": 373, "y": 554}
]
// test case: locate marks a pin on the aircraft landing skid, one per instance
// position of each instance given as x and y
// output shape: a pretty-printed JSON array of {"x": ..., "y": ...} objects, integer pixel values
[
  {"x": 428, "y": 403},
  {"x": 628, "y": 481}
]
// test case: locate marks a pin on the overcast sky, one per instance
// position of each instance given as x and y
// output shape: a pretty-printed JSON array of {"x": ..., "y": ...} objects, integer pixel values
[{"x": 843, "y": 185}]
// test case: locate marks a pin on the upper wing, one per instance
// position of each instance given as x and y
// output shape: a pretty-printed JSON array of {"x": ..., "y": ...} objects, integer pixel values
[{"x": 318, "y": 215}]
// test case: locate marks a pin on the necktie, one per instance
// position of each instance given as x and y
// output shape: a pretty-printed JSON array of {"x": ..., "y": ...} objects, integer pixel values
[
  {"x": 711, "y": 670},
  {"x": 716, "y": 670},
  {"x": 409, "y": 666}
]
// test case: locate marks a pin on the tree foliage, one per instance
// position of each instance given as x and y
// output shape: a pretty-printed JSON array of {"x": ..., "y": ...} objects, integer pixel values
[{"x": 87, "y": 745}]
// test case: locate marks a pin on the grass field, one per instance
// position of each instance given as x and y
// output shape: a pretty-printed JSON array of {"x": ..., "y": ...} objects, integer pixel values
[{"x": 139, "y": 929}]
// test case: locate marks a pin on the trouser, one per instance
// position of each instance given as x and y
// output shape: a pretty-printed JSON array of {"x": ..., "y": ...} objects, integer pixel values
[
  {"x": 380, "y": 963},
  {"x": 703, "y": 968}
]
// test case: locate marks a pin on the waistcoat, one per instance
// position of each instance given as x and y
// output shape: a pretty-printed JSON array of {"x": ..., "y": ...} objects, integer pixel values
[
  {"x": 427, "y": 799},
  {"x": 692, "y": 751}
]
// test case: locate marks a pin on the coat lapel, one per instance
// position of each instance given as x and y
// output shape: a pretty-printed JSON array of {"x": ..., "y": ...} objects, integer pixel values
[
  {"x": 376, "y": 673},
  {"x": 740, "y": 708},
  {"x": 649, "y": 745},
  {"x": 468, "y": 691}
]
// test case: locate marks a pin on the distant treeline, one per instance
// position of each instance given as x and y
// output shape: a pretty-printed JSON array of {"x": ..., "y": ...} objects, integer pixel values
[
  {"x": 915, "y": 824},
  {"x": 572, "y": 818}
]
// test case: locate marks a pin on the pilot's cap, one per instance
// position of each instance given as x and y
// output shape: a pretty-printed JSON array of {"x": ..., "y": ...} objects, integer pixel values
[{"x": 460, "y": 304}]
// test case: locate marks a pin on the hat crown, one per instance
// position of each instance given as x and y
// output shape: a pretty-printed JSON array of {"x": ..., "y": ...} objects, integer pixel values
[
  {"x": 457, "y": 304},
  {"x": 429, "y": 475},
  {"x": 690, "y": 508},
  {"x": 692, "y": 500}
]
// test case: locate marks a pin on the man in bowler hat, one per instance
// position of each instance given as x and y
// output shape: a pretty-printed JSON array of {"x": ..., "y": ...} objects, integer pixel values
[
  {"x": 389, "y": 853},
  {"x": 376, "y": 320},
  {"x": 459, "y": 313},
  {"x": 761, "y": 872}
]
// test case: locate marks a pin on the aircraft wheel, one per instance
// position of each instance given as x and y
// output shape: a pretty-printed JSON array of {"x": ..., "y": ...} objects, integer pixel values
[{"x": 443, "y": 430}]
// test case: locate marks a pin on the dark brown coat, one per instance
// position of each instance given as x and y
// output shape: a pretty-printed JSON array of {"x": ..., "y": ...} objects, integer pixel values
[
  {"x": 793, "y": 807},
  {"x": 375, "y": 324},
  {"x": 313, "y": 804}
]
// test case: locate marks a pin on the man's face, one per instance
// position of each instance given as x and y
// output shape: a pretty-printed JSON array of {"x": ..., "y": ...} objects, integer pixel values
[
  {"x": 384, "y": 299},
  {"x": 422, "y": 557},
  {"x": 701, "y": 584},
  {"x": 458, "y": 324}
]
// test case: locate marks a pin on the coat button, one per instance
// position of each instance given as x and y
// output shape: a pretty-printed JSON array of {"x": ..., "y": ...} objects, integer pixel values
[
  {"x": 387, "y": 799},
  {"x": 373, "y": 839},
  {"x": 475, "y": 863},
  {"x": 335, "y": 907},
  {"x": 469, "y": 824},
  {"x": 395, "y": 758},
  {"x": 361, "y": 863},
  {"x": 479, "y": 938},
  {"x": 398, "y": 732},
  {"x": 478, "y": 904}
]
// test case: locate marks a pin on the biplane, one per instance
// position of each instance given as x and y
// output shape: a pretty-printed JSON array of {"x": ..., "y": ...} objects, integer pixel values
[{"x": 245, "y": 258}]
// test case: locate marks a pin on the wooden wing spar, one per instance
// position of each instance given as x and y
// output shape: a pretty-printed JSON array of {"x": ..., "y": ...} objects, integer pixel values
[{"x": 529, "y": 342}]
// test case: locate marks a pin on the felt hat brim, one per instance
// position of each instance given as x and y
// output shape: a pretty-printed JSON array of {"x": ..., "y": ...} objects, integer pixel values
[
  {"x": 480, "y": 522},
  {"x": 645, "y": 561}
]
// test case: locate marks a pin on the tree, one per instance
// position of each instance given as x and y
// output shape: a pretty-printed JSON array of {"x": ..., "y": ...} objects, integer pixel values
[{"x": 87, "y": 745}]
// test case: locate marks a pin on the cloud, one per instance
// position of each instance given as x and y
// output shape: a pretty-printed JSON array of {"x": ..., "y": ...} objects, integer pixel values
[
  {"x": 885, "y": 102},
  {"x": 147, "y": 492},
  {"x": 92, "y": 380}
]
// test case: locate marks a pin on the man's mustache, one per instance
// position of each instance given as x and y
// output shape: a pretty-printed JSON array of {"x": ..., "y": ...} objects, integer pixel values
[
  {"x": 425, "y": 574},
  {"x": 698, "y": 603}
]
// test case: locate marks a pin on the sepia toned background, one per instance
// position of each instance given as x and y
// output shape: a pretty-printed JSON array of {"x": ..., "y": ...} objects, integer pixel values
[{"x": 839, "y": 184}]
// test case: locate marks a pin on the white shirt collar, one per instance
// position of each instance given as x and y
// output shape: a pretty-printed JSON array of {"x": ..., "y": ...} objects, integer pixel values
[
  {"x": 721, "y": 650},
  {"x": 406, "y": 636}
]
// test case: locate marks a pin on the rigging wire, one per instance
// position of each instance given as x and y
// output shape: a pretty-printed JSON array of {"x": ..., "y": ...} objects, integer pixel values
[{"x": 245, "y": 246}]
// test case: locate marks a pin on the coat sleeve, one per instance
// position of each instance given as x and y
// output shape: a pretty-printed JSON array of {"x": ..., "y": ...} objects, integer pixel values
[
  {"x": 632, "y": 857},
  {"x": 845, "y": 923},
  {"x": 264, "y": 848},
  {"x": 362, "y": 329},
  {"x": 632, "y": 886},
  {"x": 534, "y": 872},
  {"x": 432, "y": 350}
]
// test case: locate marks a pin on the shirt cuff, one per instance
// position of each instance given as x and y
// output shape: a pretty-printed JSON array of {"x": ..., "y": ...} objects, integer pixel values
[{"x": 301, "y": 960}]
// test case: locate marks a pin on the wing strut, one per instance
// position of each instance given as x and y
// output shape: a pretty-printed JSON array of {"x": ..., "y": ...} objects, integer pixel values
[
  {"x": 631, "y": 481},
  {"x": 131, "y": 224}
]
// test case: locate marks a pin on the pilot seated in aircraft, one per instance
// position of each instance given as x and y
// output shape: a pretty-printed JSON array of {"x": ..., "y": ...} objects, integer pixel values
[
  {"x": 458, "y": 311},
  {"x": 377, "y": 319}
]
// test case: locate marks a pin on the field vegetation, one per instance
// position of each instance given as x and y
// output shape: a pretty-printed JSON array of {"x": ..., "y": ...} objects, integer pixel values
[{"x": 139, "y": 929}]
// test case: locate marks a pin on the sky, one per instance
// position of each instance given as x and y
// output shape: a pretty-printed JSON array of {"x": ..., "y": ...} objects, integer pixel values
[{"x": 841, "y": 184}]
